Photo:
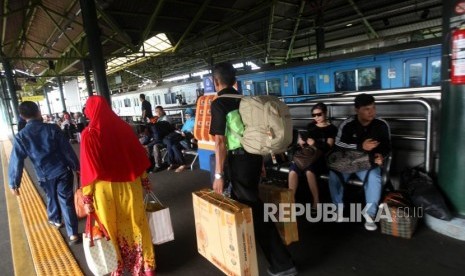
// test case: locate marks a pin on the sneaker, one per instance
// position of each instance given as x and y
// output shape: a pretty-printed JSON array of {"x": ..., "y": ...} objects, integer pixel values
[
  {"x": 289, "y": 272},
  {"x": 370, "y": 225},
  {"x": 74, "y": 239},
  {"x": 55, "y": 224}
]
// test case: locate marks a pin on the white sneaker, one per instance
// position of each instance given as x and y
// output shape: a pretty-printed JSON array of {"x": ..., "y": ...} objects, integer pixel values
[{"x": 370, "y": 225}]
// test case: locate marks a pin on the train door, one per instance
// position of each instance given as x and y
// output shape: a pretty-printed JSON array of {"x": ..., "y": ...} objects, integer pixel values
[
  {"x": 299, "y": 84},
  {"x": 415, "y": 72},
  {"x": 311, "y": 83},
  {"x": 434, "y": 71},
  {"x": 305, "y": 84}
]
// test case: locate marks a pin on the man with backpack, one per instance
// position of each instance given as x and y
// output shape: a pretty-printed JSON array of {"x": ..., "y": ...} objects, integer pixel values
[{"x": 244, "y": 171}]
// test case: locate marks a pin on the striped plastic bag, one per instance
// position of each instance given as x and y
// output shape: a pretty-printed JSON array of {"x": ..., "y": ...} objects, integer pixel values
[{"x": 159, "y": 219}]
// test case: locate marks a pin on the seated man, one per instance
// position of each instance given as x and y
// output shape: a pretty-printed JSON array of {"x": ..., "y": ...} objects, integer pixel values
[
  {"x": 158, "y": 130},
  {"x": 187, "y": 129},
  {"x": 363, "y": 132}
]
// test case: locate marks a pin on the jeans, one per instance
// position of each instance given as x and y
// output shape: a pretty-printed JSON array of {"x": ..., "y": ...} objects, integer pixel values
[
  {"x": 372, "y": 187},
  {"x": 173, "y": 147},
  {"x": 244, "y": 172},
  {"x": 60, "y": 201}
]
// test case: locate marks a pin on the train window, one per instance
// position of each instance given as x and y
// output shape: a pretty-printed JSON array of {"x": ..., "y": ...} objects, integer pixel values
[
  {"x": 369, "y": 79},
  {"x": 159, "y": 100},
  {"x": 415, "y": 78},
  {"x": 435, "y": 72},
  {"x": 120, "y": 104},
  {"x": 299, "y": 85},
  {"x": 311, "y": 84},
  {"x": 168, "y": 98},
  {"x": 274, "y": 87},
  {"x": 127, "y": 102},
  {"x": 345, "y": 81},
  {"x": 260, "y": 88},
  {"x": 136, "y": 102}
]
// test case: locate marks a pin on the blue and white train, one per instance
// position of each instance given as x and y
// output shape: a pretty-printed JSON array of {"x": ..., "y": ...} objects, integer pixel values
[
  {"x": 380, "y": 69},
  {"x": 398, "y": 68}
]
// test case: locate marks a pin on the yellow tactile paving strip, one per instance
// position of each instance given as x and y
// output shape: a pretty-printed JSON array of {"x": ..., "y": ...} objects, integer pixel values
[{"x": 50, "y": 252}]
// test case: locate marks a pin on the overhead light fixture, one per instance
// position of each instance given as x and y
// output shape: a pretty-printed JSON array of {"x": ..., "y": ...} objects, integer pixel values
[
  {"x": 386, "y": 22},
  {"x": 349, "y": 24},
  {"x": 424, "y": 14}
]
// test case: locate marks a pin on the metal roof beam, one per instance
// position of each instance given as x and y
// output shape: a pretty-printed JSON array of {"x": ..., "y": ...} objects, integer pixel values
[
  {"x": 248, "y": 40},
  {"x": 296, "y": 28},
  {"x": 194, "y": 21},
  {"x": 150, "y": 23},
  {"x": 5, "y": 10},
  {"x": 365, "y": 21},
  {"x": 29, "y": 15},
  {"x": 270, "y": 31},
  {"x": 57, "y": 25},
  {"x": 114, "y": 26}
]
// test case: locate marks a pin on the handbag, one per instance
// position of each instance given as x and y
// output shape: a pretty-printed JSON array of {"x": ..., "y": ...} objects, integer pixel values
[
  {"x": 348, "y": 161},
  {"x": 306, "y": 156},
  {"x": 79, "y": 199},
  {"x": 159, "y": 219},
  {"x": 99, "y": 250}
]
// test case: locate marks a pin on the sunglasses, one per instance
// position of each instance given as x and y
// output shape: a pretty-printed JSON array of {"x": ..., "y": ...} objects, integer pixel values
[{"x": 317, "y": 114}]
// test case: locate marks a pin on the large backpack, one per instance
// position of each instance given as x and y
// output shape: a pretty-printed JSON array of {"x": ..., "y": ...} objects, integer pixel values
[{"x": 267, "y": 124}]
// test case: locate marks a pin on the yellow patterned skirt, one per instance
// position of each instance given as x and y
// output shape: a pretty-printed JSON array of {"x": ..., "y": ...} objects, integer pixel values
[{"x": 120, "y": 208}]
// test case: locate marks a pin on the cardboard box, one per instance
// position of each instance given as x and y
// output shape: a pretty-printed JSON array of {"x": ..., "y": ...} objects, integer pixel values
[
  {"x": 272, "y": 194},
  {"x": 225, "y": 234}
]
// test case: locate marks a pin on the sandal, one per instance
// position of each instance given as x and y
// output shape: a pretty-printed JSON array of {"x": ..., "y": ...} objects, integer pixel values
[{"x": 181, "y": 168}]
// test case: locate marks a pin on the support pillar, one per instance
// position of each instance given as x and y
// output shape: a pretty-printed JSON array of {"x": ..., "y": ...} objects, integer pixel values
[
  {"x": 87, "y": 66},
  {"x": 10, "y": 83},
  {"x": 48, "y": 102},
  {"x": 62, "y": 95},
  {"x": 89, "y": 18},
  {"x": 452, "y": 136}
]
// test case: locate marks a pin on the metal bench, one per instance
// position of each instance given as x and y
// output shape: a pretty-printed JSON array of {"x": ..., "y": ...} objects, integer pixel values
[{"x": 284, "y": 168}]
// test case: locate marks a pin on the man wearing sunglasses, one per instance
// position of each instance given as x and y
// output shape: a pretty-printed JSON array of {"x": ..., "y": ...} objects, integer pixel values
[{"x": 363, "y": 132}]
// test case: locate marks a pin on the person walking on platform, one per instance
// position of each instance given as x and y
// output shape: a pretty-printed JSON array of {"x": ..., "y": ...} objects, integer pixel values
[
  {"x": 244, "y": 171},
  {"x": 113, "y": 177},
  {"x": 54, "y": 160},
  {"x": 146, "y": 108}
]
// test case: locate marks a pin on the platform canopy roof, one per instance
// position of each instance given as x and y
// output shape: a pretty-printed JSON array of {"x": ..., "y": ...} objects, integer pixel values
[{"x": 45, "y": 38}]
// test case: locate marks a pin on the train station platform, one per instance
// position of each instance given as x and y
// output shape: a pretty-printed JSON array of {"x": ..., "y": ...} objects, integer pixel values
[{"x": 31, "y": 247}]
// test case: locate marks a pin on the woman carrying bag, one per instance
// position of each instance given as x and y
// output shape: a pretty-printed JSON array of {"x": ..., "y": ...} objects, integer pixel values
[
  {"x": 316, "y": 142},
  {"x": 113, "y": 179}
]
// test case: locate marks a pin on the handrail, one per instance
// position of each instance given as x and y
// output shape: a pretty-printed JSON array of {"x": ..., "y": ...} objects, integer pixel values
[{"x": 390, "y": 100}]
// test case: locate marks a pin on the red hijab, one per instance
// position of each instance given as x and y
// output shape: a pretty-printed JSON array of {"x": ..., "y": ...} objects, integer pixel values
[{"x": 110, "y": 150}]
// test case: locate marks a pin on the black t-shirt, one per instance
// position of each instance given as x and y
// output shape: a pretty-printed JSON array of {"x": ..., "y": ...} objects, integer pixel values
[
  {"x": 220, "y": 108},
  {"x": 321, "y": 134},
  {"x": 148, "y": 109}
]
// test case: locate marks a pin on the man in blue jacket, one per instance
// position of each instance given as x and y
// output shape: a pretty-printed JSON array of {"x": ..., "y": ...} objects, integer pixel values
[{"x": 54, "y": 160}]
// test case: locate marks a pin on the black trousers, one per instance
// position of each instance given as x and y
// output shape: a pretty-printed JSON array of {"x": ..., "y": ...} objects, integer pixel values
[{"x": 244, "y": 172}]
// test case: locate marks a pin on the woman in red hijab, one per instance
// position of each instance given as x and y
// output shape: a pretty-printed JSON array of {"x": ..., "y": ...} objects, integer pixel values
[{"x": 113, "y": 165}]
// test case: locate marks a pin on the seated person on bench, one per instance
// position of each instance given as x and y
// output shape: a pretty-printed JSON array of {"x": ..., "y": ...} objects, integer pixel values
[
  {"x": 320, "y": 133},
  {"x": 158, "y": 131},
  {"x": 364, "y": 132},
  {"x": 187, "y": 129}
]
